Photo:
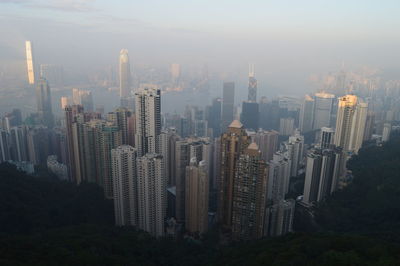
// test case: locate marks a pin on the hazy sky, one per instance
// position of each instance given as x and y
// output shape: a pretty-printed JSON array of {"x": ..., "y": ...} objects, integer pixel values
[{"x": 287, "y": 40}]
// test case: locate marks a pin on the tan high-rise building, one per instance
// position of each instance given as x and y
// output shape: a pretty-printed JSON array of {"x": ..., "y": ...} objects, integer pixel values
[
  {"x": 267, "y": 142},
  {"x": 30, "y": 62},
  {"x": 233, "y": 142},
  {"x": 249, "y": 195},
  {"x": 196, "y": 197}
]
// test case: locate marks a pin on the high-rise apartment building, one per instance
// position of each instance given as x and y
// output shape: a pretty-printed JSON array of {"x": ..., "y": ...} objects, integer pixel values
[
  {"x": 279, "y": 218},
  {"x": 233, "y": 142},
  {"x": 124, "y": 74},
  {"x": 152, "y": 197},
  {"x": 148, "y": 120},
  {"x": 249, "y": 195},
  {"x": 294, "y": 152},
  {"x": 124, "y": 180},
  {"x": 196, "y": 197},
  {"x": 228, "y": 102},
  {"x": 322, "y": 173},
  {"x": 286, "y": 126},
  {"x": 267, "y": 142},
  {"x": 326, "y": 138},
  {"x": 278, "y": 177}
]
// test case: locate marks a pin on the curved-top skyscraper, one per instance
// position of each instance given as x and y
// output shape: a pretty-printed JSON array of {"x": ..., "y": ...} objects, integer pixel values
[{"x": 124, "y": 74}]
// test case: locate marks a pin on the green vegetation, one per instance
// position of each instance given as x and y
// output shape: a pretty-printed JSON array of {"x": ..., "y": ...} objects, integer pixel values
[{"x": 44, "y": 221}]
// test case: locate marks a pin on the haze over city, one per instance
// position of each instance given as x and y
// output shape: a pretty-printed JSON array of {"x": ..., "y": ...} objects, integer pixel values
[{"x": 199, "y": 132}]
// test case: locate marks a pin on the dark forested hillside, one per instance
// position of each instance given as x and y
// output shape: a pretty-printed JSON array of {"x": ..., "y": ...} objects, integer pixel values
[{"x": 48, "y": 222}]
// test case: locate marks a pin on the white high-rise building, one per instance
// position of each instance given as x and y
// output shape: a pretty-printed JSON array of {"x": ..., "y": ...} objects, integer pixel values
[
  {"x": 124, "y": 74},
  {"x": 387, "y": 128},
  {"x": 294, "y": 152},
  {"x": 148, "y": 120},
  {"x": 278, "y": 178},
  {"x": 124, "y": 185},
  {"x": 30, "y": 62},
  {"x": 152, "y": 198},
  {"x": 322, "y": 110}
]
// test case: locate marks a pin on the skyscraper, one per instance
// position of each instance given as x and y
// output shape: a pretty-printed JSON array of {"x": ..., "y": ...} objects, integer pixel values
[
  {"x": 250, "y": 115},
  {"x": 278, "y": 177},
  {"x": 322, "y": 173},
  {"x": 249, "y": 195},
  {"x": 214, "y": 117},
  {"x": 152, "y": 197},
  {"x": 30, "y": 62},
  {"x": 279, "y": 218},
  {"x": 86, "y": 100},
  {"x": 294, "y": 152},
  {"x": 148, "y": 120},
  {"x": 327, "y": 137},
  {"x": 196, "y": 197},
  {"x": 125, "y": 185},
  {"x": 233, "y": 142},
  {"x": 322, "y": 110},
  {"x": 350, "y": 123},
  {"x": 267, "y": 142},
  {"x": 286, "y": 126},
  {"x": 228, "y": 101},
  {"x": 252, "y": 97},
  {"x": 307, "y": 114},
  {"x": 43, "y": 100},
  {"x": 53, "y": 74},
  {"x": 124, "y": 74}
]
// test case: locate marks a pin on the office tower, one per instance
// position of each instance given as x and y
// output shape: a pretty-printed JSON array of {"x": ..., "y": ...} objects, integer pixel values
[
  {"x": 250, "y": 115},
  {"x": 30, "y": 62},
  {"x": 131, "y": 129},
  {"x": 307, "y": 114},
  {"x": 286, "y": 126},
  {"x": 53, "y": 74},
  {"x": 322, "y": 173},
  {"x": 124, "y": 74},
  {"x": 124, "y": 185},
  {"x": 267, "y": 142},
  {"x": 76, "y": 98},
  {"x": 200, "y": 128},
  {"x": 70, "y": 117},
  {"x": 148, "y": 120},
  {"x": 86, "y": 100},
  {"x": 387, "y": 128},
  {"x": 269, "y": 114},
  {"x": 64, "y": 102},
  {"x": 350, "y": 123},
  {"x": 279, "y": 218},
  {"x": 294, "y": 152},
  {"x": 214, "y": 117},
  {"x": 252, "y": 97},
  {"x": 249, "y": 195},
  {"x": 228, "y": 101},
  {"x": 322, "y": 110},
  {"x": 233, "y": 142},
  {"x": 18, "y": 144},
  {"x": 196, "y": 197},
  {"x": 43, "y": 100},
  {"x": 327, "y": 137},
  {"x": 152, "y": 201},
  {"x": 4, "y": 146},
  {"x": 120, "y": 118},
  {"x": 38, "y": 140},
  {"x": 185, "y": 149},
  {"x": 278, "y": 177},
  {"x": 216, "y": 163}
]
